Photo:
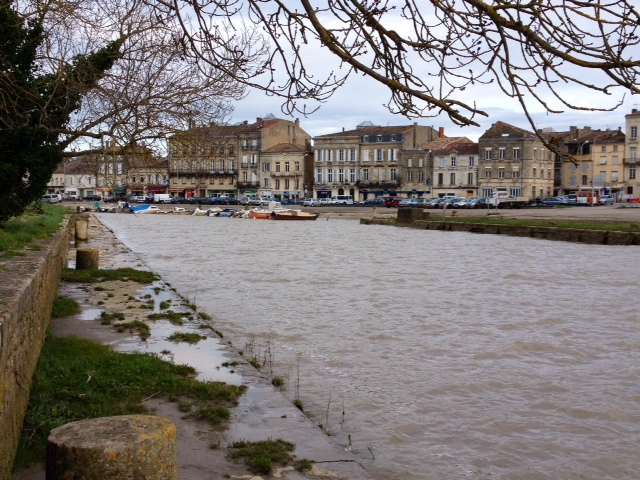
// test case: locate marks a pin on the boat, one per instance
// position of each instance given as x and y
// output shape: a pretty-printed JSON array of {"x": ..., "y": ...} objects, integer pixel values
[
  {"x": 294, "y": 215},
  {"x": 264, "y": 213},
  {"x": 144, "y": 209}
]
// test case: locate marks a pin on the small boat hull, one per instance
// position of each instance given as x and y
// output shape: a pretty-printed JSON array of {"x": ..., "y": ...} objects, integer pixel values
[{"x": 294, "y": 215}]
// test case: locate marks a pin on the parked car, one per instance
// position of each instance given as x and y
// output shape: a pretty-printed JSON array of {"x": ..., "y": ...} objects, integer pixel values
[
  {"x": 606, "y": 200},
  {"x": 325, "y": 201},
  {"x": 178, "y": 200},
  {"x": 311, "y": 202},
  {"x": 555, "y": 201},
  {"x": 412, "y": 203},
  {"x": 460, "y": 203},
  {"x": 374, "y": 202},
  {"x": 51, "y": 198},
  {"x": 477, "y": 202},
  {"x": 91, "y": 198},
  {"x": 392, "y": 201},
  {"x": 448, "y": 202},
  {"x": 433, "y": 203},
  {"x": 138, "y": 199}
]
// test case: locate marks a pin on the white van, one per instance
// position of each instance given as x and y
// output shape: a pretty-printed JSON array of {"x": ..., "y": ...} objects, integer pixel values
[
  {"x": 342, "y": 199},
  {"x": 162, "y": 198}
]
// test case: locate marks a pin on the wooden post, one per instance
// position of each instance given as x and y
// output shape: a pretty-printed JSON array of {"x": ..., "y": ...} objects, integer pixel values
[
  {"x": 87, "y": 259},
  {"x": 113, "y": 448}
]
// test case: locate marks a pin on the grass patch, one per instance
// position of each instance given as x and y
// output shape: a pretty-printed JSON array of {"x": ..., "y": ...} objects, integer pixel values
[
  {"x": 577, "y": 224},
  {"x": 260, "y": 457},
  {"x": 77, "y": 379},
  {"x": 298, "y": 404},
  {"x": 33, "y": 225},
  {"x": 95, "y": 276},
  {"x": 65, "y": 307},
  {"x": 277, "y": 382},
  {"x": 174, "y": 317},
  {"x": 255, "y": 363},
  {"x": 165, "y": 305},
  {"x": 190, "y": 338},
  {"x": 204, "y": 316},
  {"x": 106, "y": 318},
  {"x": 141, "y": 328}
]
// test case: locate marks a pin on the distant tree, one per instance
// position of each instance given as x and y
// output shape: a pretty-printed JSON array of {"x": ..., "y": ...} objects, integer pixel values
[
  {"x": 430, "y": 53},
  {"x": 35, "y": 105}
]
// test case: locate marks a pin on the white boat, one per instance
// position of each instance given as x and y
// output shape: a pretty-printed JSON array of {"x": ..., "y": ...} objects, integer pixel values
[
  {"x": 144, "y": 209},
  {"x": 264, "y": 213}
]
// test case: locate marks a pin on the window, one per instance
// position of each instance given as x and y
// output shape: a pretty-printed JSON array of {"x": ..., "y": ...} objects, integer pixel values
[
  {"x": 516, "y": 153},
  {"x": 379, "y": 155},
  {"x": 329, "y": 155},
  {"x": 515, "y": 174},
  {"x": 319, "y": 156},
  {"x": 634, "y": 132},
  {"x": 409, "y": 162},
  {"x": 632, "y": 173},
  {"x": 603, "y": 160},
  {"x": 472, "y": 161},
  {"x": 392, "y": 155},
  {"x": 286, "y": 184},
  {"x": 265, "y": 166},
  {"x": 615, "y": 160},
  {"x": 453, "y": 161},
  {"x": 633, "y": 154},
  {"x": 277, "y": 166},
  {"x": 287, "y": 167},
  {"x": 245, "y": 177},
  {"x": 409, "y": 176},
  {"x": 254, "y": 144},
  {"x": 365, "y": 174},
  {"x": 277, "y": 184},
  {"x": 441, "y": 162},
  {"x": 319, "y": 175},
  {"x": 603, "y": 148},
  {"x": 487, "y": 173},
  {"x": 535, "y": 153},
  {"x": 488, "y": 154},
  {"x": 534, "y": 173},
  {"x": 585, "y": 181},
  {"x": 615, "y": 148},
  {"x": 501, "y": 154},
  {"x": 469, "y": 178},
  {"x": 329, "y": 175},
  {"x": 393, "y": 174},
  {"x": 352, "y": 154},
  {"x": 515, "y": 191},
  {"x": 366, "y": 156},
  {"x": 441, "y": 179},
  {"x": 501, "y": 172},
  {"x": 420, "y": 176},
  {"x": 421, "y": 162},
  {"x": 265, "y": 182},
  {"x": 614, "y": 176},
  {"x": 452, "y": 179},
  {"x": 341, "y": 175},
  {"x": 378, "y": 138},
  {"x": 296, "y": 166},
  {"x": 352, "y": 175},
  {"x": 341, "y": 155}
]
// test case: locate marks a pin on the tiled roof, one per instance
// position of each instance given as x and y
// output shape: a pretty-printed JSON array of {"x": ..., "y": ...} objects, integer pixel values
[
  {"x": 599, "y": 136},
  {"x": 440, "y": 143},
  {"x": 390, "y": 130},
  {"x": 505, "y": 131},
  {"x": 227, "y": 130},
  {"x": 284, "y": 148},
  {"x": 464, "y": 148}
]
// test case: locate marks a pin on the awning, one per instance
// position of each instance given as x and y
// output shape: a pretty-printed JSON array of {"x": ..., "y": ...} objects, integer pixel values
[
  {"x": 120, "y": 190},
  {"x": 157, "y": 189}
]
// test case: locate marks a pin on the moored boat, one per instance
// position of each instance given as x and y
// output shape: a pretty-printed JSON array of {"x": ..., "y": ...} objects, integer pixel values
[{"x": 294, "y": 215}]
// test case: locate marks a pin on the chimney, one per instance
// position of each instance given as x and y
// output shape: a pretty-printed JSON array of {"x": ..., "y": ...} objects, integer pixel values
[
  {"x": 634, "y": 110},
  {"x": 441, "y": 132}
]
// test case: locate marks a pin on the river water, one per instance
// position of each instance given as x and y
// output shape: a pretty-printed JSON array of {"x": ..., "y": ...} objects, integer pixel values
[{"x": 430, "y": 355}]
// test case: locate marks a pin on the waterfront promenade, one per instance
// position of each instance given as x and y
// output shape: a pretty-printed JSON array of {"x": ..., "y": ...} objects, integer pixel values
[{"x": 263, "y": 413}]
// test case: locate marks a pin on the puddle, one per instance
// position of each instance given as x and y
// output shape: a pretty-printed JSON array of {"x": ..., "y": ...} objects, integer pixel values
[{"x": 90, "y": 313}]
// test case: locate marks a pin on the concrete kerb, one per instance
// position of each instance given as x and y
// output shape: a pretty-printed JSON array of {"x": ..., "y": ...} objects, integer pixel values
[{"x": 263, "y": 412}]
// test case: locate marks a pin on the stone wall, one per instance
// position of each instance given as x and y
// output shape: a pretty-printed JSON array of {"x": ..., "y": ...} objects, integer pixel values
[
  {"x": 28, "y": 286},
  {"x": 416, "y": 218}
]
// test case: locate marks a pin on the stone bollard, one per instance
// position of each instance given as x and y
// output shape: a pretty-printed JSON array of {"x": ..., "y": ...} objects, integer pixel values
[
  {"x": 87, "y": 259},
  {"x": 113, "y": 448},
  {"x": 82, "y": 230}
]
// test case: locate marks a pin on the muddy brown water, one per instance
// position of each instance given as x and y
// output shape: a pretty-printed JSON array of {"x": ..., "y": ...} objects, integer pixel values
[{"x": 429, "y": 355}]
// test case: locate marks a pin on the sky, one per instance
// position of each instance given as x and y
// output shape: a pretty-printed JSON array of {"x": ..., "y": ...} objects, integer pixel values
[{"x": 362, "y": 100}]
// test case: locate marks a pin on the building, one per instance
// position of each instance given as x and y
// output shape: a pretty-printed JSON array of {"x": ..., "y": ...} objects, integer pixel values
[
  {"x": 365, "y": 162},
  {"x": 455, "y": 167},
  {"x": 595, "y": 161},
  {"x": 517, "y": 159},
  {"x": 238, "y": 159},
  {"x": 632, "y": 185}
]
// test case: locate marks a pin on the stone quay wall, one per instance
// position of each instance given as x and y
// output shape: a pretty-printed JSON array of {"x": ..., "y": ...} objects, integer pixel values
[
  {"x": 28, "y": 287},
  {"x": 422, "y": 220}
]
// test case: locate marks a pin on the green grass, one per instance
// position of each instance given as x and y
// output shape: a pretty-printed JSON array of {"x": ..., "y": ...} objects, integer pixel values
[
  {"x": 174, "y": 317},
  {"x": 260, "y": 457},
  {"x": 141, "y": 328},
  {"x": 578, "y": 224},
  {"x": 94, "y": 276},
  {"x": 64, "y": 307},
  {"x": 190, "y": 338},
  {"x": 78, "y": 379},
  {"x": 20, "y": 232}
]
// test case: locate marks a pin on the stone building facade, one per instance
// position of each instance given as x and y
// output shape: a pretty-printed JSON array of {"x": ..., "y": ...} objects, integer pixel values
[
  {"x": 517, "y": 159},
  {"x": 632, "y": 145}
]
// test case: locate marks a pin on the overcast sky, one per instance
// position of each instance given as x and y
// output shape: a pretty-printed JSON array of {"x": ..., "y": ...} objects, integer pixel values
[{"x": 362, "y": 100}]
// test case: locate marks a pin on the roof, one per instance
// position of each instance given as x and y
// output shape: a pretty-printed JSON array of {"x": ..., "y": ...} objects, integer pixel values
[
  {"x": 370, "y": 130},
  {"x": 442, "y": 142},
  {"x": 228, "y": 130},
  {"x": 502, "y": 130},
  {"x": 460, "y": 148},
  {"x": 284, "y": 148}
]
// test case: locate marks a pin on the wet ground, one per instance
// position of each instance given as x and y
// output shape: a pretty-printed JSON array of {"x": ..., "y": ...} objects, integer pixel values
[{"x": 263, "y": 412}]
